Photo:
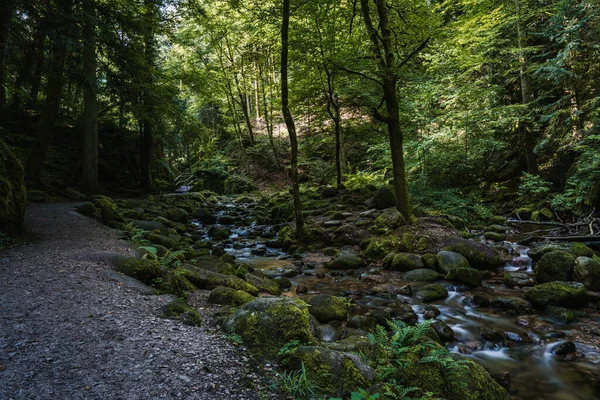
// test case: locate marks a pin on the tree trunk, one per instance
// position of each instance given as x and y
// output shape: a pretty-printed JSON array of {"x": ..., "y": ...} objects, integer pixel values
[
  {"x": 339, "y": 141},
  {"x": 146, "y": 145},
  {"x": 526, "y": 96},
  {"x": 6, "y": 14},
  {"x": 89, "y": 171},
  {"x": 56, "y": 80},
  {"x": 30, "y": 62},
  {"x": 268, "y": 121},
  {"x": 289, "y": 121},
  {"x": 387, "y": 66}
]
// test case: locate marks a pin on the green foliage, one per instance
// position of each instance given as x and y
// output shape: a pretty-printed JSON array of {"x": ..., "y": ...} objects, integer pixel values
[
  {"x": 234, "y": 338},
  {"x": 287, "y": 349},
  {"x": 360, "y": 179},
  {"x": 533, "y": 188},
  {"x": 297, "y": 384}
]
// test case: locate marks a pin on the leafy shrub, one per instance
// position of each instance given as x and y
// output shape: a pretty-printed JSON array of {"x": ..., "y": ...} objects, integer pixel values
[{"x": 533, "y": 187}]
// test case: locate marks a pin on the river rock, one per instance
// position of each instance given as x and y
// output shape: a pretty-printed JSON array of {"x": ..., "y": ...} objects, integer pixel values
[
  {"x": 326, "y": 333},
  {"x": 431, "y": 292},
  {"x": 495, "y": 236},
  {"x": 142, "y": 269},
  {"x": 537, "y": 250},
  {"x": 346, "y": 262},
  {"x": 391, "y": 218},
  {"x": 333, "y": 371},
  {"x": 467, "y": 276},
  {"x": 219, "y": 232},
  {"x": 204, "y": 216},
  {"x": 492, "y": 335},
  {"x": 169, "y": 243},
  {"x": 406, "y": 262},
  {"x": 562, "y": 294},
  {"x": 478, "y": 255},
  {"x": 555, "y": 266},
  {"x": 443, "y": 331},
  {"x": 384, "y": 198},
  {"x": 561, "y": 314},
  {"x": 229, "y": 296},
  {"x": 446, "y": 260},
  {"x": 264, "y": 284},
  {"x": 328, "y": 308},
  {"x": 204, "y": 279},
  {"x": 267, "y": 324},
  {"x": 518, "y": 279},
  {"x": 564, "y": 348},
  {"x": 587, "y": 271},
  {"x": 420, "y": 275},
  {"x": 177, "y": 215}
]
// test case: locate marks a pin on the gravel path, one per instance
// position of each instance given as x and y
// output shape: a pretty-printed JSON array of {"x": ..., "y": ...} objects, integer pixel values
[{"x": 68, "y": 331}]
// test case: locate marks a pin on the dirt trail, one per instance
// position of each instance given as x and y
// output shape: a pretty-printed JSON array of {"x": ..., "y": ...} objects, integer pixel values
[{"x": 69, "y": 331}]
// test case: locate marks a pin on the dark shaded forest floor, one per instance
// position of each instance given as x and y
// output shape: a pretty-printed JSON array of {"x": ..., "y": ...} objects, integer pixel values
[{"x": 70, "y": 330}]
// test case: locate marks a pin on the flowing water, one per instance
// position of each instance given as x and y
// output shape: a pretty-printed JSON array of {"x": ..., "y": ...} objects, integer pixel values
[{"x": 527, "y": 351}]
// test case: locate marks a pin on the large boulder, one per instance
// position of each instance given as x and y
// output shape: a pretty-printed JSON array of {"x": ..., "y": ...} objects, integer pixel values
[
  {"x": 421, "y": 275},
  {"x": 537, "y": 250},
  {"x": 587, "y": 271},
  {"x": 13, "y": 195},
  {"x": 346, "y": 262},
  {"x": 467, "y": 276},
  {"x": 446, "y": 260},
  {"x": 264, "y": 284},
  {"x": 139, "y": 268},
  {"x": 334, "y": 372},
  {"x": 518, "y": 279},
  {"x": 267, "y": 324},
  {"x": 555, "y": 266},
  {"x": 228, "y": 296},
  {"x": 384, "y": 197},
  {"x": 478, "y": 255},
  {"x": 562, "y": 294},
  {"x": 406, "y": 262},
  {"x": 327, "y": 308},
  {"x": 431, "y": 292},
  {"x": 390, "y": 219},
  {"x": 204, "y": 279}
]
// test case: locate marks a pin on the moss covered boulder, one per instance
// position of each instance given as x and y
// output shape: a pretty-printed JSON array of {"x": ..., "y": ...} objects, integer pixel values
[
  {"x": 204, "y": 279},
  {"x": 555, "y": 266},
  {"x": 562, "y": 294},
  {"x": 328, "y": 308},
  {"x": 346, "y": 262},
  {"x": 13, "y": 195},
  {"x": 267, "y": 324},
  {"x": 406, "y": 262},
  {"x": 335, "y": 372},
  {"x": 139, "y": 268},
  {"x": 587, "y": 271},
  {"x": 89, "y": 210},
  {"x": 378, "y": 247},
  {"x": 431, "y": 292},
  {"x": 467, "y": 276},
  {"x": 420, "y": 275},
  {"x": 107, "y": 209},
  {"x": 537, "y": 250},
  {"x": 162, "y": 240},
  {"x": 263, "y": 284},
  {"x": 478, "y": 255},
  {"x": 390, "y": 219},
  {"x": 518, "y": 279},
  {"x": 180, "y": 311},
  {"x": 177, "y": 215},
  {"x": 230, "y": 297},
  {"x": 446, "y": 260},
  {"x": 384, "y": 197}
]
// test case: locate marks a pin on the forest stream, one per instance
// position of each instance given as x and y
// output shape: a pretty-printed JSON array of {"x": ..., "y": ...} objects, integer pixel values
[{"x": 491, "y": 324}]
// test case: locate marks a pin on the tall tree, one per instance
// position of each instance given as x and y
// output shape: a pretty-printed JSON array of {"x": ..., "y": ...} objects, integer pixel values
[
  {"x": 6, "y": 14},
  {"x": 147, "y": 125},
  {"x": 289, "y": 120},
  {"x": 89, "y": 172}
]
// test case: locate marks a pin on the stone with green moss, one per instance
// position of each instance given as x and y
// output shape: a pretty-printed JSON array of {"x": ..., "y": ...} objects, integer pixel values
[
  {"x": 230, "y": 297},
  {"x": 178, "y": 310},
  {"x": 446, "y": 260},
  {"x": 420, "y": 275},
  {"x": 378, "y": 247},
  {"x": 537, "y": 250},
  {"x": 145, "y": 270},
  {"x": 406, "y": 262},
  {"x": 204, "y": 279},
  {"x": 177, "y": 215},
  {"x": 518, "y": 279},
  {"x": 562, "y": 294},
  {"x": 555, "y": 266},
  {"x": 587, "y": 271},
  {"x": 174, "y": 282},
  {"x": 213, "y": 263},
  {"x": 429, "y": 261},
  {"x": 478, "y": 255},
  {"x": 13, "y": 195},
  {"x": 267, "y": 324},
  {"x": 390, "y": 219},
  {"x": 345, "y": 262},
  {"x": 334, "y": 372},
  {"x": 431, "y": 292},
  {"x": 108, "y": 210},
  {"x": 162, "y": 240},
  {"x": 561, "y": 314},
  {"x": 264, "y": 284},
  {"x": 89, "y": 210},
  {"x": 495, "y": 236},
  {"x": 467, "y": 276},
  {"x": 328, "y": 308},
  {"x": 384, "y": 197}
]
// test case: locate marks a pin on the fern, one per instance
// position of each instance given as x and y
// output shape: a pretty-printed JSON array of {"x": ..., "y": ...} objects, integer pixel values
[{"x": 171, "y": 259}]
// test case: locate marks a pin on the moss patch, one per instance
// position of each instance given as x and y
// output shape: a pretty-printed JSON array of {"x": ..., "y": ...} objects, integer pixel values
[
  {"x": 180, "y": 311},
  {"x": 230, "y": 297},
  {"x": 139, "y": 268}
]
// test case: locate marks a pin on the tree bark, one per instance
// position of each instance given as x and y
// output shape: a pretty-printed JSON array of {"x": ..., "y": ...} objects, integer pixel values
[
  {"x": 6, "y": 14},
  {"x": 383, "y": 52},
  {"x": 30, "y": 63},
  {"x": 89, "y": 171},
  {"x": 526, "y": 95},
  {"x": 147, "y": 141},
  {"x": 289, "y": 121},
  {"x": 56, "y": 80}
]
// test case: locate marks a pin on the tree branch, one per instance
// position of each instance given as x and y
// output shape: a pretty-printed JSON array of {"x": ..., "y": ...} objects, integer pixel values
[
  {"x": 414, "y": 52},
  {"x": 359, "y": 74}
]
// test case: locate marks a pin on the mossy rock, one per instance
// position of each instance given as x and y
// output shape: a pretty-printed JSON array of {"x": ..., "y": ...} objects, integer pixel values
[
  {"x": 555, "y": 266},
  {"x": 267, "y": 324},
  {"x": 472, "y": 383},
  {"x": 219, "y": 232},
  {"x": 537, "y": 250},
  {"x": 178, "y": 310},
  {"x": 446, "y": 260},
  {"x": 390, "y": 219},
  {"x": 478, "y": 255},
  {"x": 230, "y": 297},
  {"x": 467, "y": 276},
  {"x": 328, "y": 308},
  {"x": 384, "y": 198},
  {"x": 495, "y": 236},
  {"x": 562, "y": 294},
  {"x": 587, "y": 271},
  {"x": 431, "y": 292},
  {"x": 13, "y": 194},
  {"x": 89, "y": 210},
  {"x": 141, "y": 269},
  {"x": 346, "y": 262},
  {"x": 174, "y": 282},
  {"x": 108, "y": 210},
  {"x": 204, "y": 279},
  {"x": 378, "y": 247},
  {"x": 430, "y": 261},
  {"x": 406, "y": 262},
  {"x": 457, "y": 222},
  {"x": 334, "y": 372},
  {"x": 177, "y": 215},
  {"x": 264, "y": 284},
  {"x": 561, "y": 314},
  {"x": 524, "y": 213},
  {"x": 165, "y": 241},
  {"x": 518, "y": 279},
  {"x": 420, "y": 275},
  {"x": 213, "y": 263}
]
